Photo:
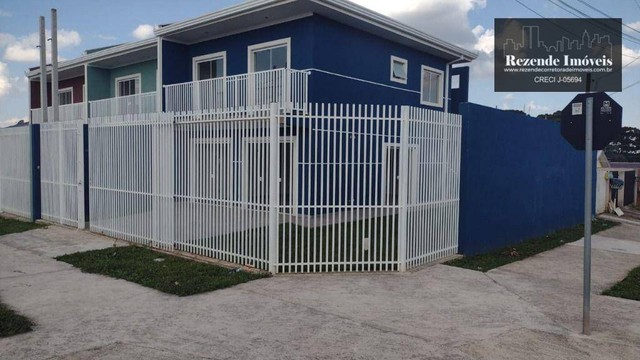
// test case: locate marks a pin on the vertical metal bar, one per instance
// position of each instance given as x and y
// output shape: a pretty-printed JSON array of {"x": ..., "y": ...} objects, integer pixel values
[
  {"x": 588, "y": 145},
  {"x": 274, "y": 168},
  {"x": 402, "y": 188}
]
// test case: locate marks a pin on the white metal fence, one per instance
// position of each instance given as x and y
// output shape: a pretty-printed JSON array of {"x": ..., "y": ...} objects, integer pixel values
[
  {"x": 338, "y": 188},
  {"x": 131, "y": 178},
  {"x": 15, "y": 171},
  {"x": 286, "y": 87},
  {"x": 124, "y": 105},
  {"x": 62, "y": 171},
  {"x": 66, "y": 113}
]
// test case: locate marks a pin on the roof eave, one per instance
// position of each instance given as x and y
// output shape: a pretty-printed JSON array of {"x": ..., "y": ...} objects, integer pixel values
[{"x": 100, "y": 55}]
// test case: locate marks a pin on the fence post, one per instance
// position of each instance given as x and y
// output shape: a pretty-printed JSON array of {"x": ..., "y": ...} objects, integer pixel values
[
  {"x": 36, "y": 205},
  {"x": 402, "y": 188},
  {"x": 274, "y": 186},
  {"x": 80, "y": 174}
]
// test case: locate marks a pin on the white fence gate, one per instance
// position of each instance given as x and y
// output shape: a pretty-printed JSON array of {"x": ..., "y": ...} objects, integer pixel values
[
  {"x": 62, "y": 172},
  {"x": 337, "y": 188},
  {"x": 15, "y": 171}
]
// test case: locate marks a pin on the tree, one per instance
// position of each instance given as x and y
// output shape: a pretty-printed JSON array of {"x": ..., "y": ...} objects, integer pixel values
[
  {"x": 626, "y": 148},
  {"x": 556, "y": 116}
]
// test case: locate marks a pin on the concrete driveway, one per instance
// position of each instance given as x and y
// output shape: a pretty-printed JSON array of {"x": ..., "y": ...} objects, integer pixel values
[{"x": 530, "y": 309}]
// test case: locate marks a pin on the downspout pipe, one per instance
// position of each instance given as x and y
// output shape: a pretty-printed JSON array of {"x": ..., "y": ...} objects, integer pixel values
[{"x": 447, "y": 81}]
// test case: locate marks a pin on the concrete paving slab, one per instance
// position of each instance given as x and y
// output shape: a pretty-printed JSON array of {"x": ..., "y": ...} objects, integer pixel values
[
  {"x": 610, "y": 244},
  {"x": 530, "y": 309}
]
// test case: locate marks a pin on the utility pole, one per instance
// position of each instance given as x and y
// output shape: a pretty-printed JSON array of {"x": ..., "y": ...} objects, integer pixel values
[
  {"x": 43, "y": 70},
  {"x": 55, "y": 100}
]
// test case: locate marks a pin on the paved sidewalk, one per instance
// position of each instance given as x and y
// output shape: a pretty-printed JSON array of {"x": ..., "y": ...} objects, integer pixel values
[{"x": 530, "y": 309}]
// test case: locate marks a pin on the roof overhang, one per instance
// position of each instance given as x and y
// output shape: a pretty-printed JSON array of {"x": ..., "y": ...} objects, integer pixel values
[
  {"x": 108, "y": 58},
  {"x": 261, "y": 13}
]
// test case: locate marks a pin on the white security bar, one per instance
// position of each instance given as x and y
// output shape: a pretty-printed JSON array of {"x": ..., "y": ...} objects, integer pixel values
[
  {"x": 124, "y": 105},
  {"x": 286, "y": 87}
]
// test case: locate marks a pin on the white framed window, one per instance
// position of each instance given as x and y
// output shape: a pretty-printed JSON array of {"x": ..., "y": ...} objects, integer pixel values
[
  {"x": 399, "y": 70},
  {"x": 270, "y": 55},
  {"x": 210, "y": 66},
  {"x": 128, "y": 85},
  {"x": 65, "y": 96},
  {"x": 432, "y": 86}
]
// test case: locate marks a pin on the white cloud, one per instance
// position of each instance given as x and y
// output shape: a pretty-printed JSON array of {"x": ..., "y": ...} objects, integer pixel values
[
  {"x": 630, "y": 57},
  {"x": 4, "y": 13},
  {"x": 435, "y": 17},
  {"x": 143, "y": 31},
  {"x": 25, "y": 49},
  {"x": 633, "y": 25},
  {"x": 5, "y": 82},
  {"x": 485, "y": 40},
  {"x": 6, "y": 39}
]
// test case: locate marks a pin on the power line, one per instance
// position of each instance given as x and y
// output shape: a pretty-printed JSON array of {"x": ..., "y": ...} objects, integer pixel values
[
  {"x": 565, "y": 6},
  {"x": 553, "y": 23},
  {"x": 603, "y": 13}
]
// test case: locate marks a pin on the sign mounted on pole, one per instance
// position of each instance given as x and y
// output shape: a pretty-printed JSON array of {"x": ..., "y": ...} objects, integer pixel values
[
  {"x": 543, "y": 55},
  {"x": 607, "y": 120}
]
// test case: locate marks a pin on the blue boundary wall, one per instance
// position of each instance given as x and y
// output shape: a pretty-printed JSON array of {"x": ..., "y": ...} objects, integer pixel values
[{"x": 519, "y": 179}]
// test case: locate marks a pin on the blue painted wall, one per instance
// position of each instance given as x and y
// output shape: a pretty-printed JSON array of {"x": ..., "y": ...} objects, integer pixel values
[
  {"x": 344, "y": 50},
  {"x": 323, "y": 44},
  {"x": 519, "y": 179}
]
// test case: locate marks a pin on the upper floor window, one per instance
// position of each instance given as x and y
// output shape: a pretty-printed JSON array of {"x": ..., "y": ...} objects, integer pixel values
[
  {"x": 399, "y": 70},
  {"x": 431, "y": 89},
  {"x": 210, "y": 66},
  {"x": 65, "y": 96},
  {"x": 271, "y": 55},
  {"x": 128, "y": 85}
]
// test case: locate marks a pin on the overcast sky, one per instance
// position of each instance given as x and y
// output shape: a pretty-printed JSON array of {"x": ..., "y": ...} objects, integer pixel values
[{"x": 90, "y": 24}]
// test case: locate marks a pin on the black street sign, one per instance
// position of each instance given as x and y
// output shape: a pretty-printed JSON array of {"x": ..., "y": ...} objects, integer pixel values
[{"x": 607, "y": 120}]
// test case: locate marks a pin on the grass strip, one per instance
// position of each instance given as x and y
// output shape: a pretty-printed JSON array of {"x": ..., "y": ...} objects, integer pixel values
[
  {"x": 629, "y": 288},
  {"x": 167, "y": 273},
  {"x": 11, "y": 226},
  {"x": 12, "y": 323},
  {"x": 528, "y": 248}
]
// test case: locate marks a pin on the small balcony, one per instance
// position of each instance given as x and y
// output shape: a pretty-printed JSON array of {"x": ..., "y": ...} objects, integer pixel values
[
  {"x": 286, "y": 87},
  {"x": 124, "y": 105},
  {"x": 68, "y": 112}
]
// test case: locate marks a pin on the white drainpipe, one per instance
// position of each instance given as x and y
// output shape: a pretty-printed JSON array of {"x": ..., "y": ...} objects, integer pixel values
[{"x": 446, "y": 83}]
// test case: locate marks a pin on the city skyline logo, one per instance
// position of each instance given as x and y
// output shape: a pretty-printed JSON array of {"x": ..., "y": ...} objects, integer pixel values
[{"x": 558, "y": 55}]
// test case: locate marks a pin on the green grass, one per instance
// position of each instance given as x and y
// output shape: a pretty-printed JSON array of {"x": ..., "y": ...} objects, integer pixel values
[
  {"x": 12, "y": 323},
  {"x": 527, "y": 248},
  {"x": 629, "y": 288},
  {"x": 338, "y": 243},
  {"x": 10, "y": 226},
  {"x": 173, "y": 275}
]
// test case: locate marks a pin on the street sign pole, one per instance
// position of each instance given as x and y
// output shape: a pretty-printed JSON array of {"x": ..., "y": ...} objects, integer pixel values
[{"x": 588, "y": 154}]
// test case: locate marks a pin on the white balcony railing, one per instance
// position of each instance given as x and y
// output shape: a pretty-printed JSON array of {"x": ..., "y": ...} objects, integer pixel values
[
  {"x": 124, "y": 105},
  {"x": 288, "y": 88},
  {"x": 66, "y": 113}
]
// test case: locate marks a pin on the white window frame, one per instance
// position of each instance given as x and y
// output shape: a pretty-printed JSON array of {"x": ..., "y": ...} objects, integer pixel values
[
  {"x": 209, "y": 57},
  {"x": 65, "y": 90},
  {"x": 440, "y": 86},
  {"x": 268, "y": 45},
  {"x": 404, "y": 62},
  {"x": 137, "y": 77}
]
